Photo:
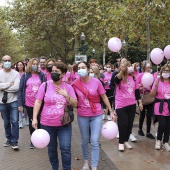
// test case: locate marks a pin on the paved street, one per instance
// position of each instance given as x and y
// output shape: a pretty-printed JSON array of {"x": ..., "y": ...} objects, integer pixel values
[
  {"x": 37, "y": 159},
  {"x": 143, "y": 156}
]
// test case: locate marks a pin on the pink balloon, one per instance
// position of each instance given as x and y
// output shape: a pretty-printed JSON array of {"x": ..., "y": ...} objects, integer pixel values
[
  {"x": 115, "y": 44},
  {"x": 109, "y": 130},
  {"x": 167, "y": 51},
  {"x": 157, "y": 56},
  {"x": 40, "y": 138},
  {"x": 147, "y": 80}
]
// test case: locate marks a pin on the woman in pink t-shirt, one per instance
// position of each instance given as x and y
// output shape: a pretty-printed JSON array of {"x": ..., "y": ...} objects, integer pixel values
[
  {"x": 161, "y": 92},
  {"x": 146, "y": 67},
  {"x": 57, "y": 97},
  {"x": 20, "y": 67},
  {"x": 29, "y": 84},
  {"x": 89, "y": 90},
  {"x": 126, "y": 95},
  {"x": 109, "y": 91}
]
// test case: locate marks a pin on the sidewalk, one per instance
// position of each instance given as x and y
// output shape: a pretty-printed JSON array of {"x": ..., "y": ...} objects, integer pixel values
[
  {"x": 37, "y": 159},
  {"x": 143, "y": 156}
]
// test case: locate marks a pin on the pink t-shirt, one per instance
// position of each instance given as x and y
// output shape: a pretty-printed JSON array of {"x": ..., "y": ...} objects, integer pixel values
[
  {"x": 106, "y": 79},
  {"x": 44, "y": 71},
  {"x": 54, "y": 103},
  {"x": 139, "y": 82},
  {"x": 32, "y": 85},
  {"x": 136, "y": 73},
  {"x": 125, "y": 93},
  {"x": 67, "y": 76},
  {"x": 20, "y": 74},
  {"x": 73, "y": 76},
  {"x": 94, "y": 87},
  {"x": 163, "y": 92},
  {"x": 48, "y": 76}
]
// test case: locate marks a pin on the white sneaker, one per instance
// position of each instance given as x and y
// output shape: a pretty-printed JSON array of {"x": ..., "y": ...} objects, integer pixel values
[
  {"x": 86, "y": 165},
  {"x": 132, "y": 138},
  {"x": 127, "y": 145},
  {"x": 156, "y": 134},
  {"x": 108, "y": 117},
  {"x": 117, "y": 136},
  {"x": 104, "y": 117},
  {"x": 158, "y": 145},
  {"x": 94, "y": 168},
  {"x": 166, "y": 147},
  {"x": 26, "y": 121},
  {"x": 121, "y": 147}
]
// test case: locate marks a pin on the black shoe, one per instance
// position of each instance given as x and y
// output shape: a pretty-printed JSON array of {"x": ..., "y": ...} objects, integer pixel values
[
  {"x": 31, "y": 146},
  {"x": 7, "y": 143},
  {"x": 149, "y": 135},
  {"x": 140, "y": 132},
  {"x": 15, "y": 146}
]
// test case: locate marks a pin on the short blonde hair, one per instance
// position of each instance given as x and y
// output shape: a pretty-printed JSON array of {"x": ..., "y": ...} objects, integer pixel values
[{"x": 29, "y": 65}]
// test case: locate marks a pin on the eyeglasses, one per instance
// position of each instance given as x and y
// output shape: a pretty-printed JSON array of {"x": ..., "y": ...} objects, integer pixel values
[{"x": 6, "y": 60}]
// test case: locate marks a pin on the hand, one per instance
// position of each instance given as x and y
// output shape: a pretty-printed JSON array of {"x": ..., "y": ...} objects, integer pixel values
[
  {"x": 112, "y": 116},
  {"x": 140, "y": 106},
  {"x": 104, "y": 111},
  {"x": 34, "y": 123},
  {"x": 61, "y": 91},
  {"x": 20, "y": 109},
  {"x": 11, "y": 83}
]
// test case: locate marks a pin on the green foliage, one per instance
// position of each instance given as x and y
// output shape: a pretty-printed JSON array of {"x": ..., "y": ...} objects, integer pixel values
[
  {"x": 52, "y": 27},
  {"x": 8, "y": 41}
]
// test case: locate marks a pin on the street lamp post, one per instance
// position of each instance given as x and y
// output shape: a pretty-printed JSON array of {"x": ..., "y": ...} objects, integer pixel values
[
  {"x": 82, "y": 38},
  {"x": 93, "y": 51},
  {"x": 124, "y": 45}
]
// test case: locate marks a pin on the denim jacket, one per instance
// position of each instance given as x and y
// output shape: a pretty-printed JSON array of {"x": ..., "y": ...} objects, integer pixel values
[{"x": 22, "y": 86}]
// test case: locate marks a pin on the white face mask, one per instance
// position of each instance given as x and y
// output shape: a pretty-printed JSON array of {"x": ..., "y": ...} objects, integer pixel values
[
  {"x": 130, "y": 69},
  {"x": 109, "y": 69},
  {"x": 165, "y": 75},
  {"x": 91, "y": 74},
  {"x": 138, "y": 68}
]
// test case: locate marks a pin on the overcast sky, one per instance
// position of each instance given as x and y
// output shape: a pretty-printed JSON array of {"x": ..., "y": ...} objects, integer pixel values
[{"x": 3, "y": 2}]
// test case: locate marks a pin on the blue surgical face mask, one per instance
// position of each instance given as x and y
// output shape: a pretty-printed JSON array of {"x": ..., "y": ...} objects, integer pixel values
[
  {"x": 34, "y": 68},
  {"x": 151, "y": 70},
  {"x": 7, "y": 65},
  {"x": 138, "y": 68},
  {"x": 82, "y": 72},
  {"x": 91, "y": 74}
]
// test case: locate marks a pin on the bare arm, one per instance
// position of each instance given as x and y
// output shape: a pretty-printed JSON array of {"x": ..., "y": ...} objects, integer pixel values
[
  {"x": 37, "y": 106},
  {"x": 106, "y": 102}
]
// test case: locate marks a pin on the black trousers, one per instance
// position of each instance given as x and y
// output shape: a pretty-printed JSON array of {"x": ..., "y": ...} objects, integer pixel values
[
  {"x": 149, "y": 114},
  {"x": 163, "y": 128},
  {"x": 30, "y": 117},
  {"x": 109, "y": 94},
  {"x": 125, "y": 118}
]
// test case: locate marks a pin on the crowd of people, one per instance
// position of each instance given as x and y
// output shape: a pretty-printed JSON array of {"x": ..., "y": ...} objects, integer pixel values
[{"x": 39, "y": 91}]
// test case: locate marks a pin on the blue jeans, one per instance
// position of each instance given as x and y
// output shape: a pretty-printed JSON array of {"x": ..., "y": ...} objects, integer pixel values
[
  {"x": 95, "y": 124},
  {"x": 64, "y": 134},
  {"x": 10, "y": 117}
]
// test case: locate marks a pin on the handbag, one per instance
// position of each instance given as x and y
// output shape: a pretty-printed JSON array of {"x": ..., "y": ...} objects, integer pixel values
[
  {"x": 147, "y": 99},
  {"x": 68, "y": 115}
]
